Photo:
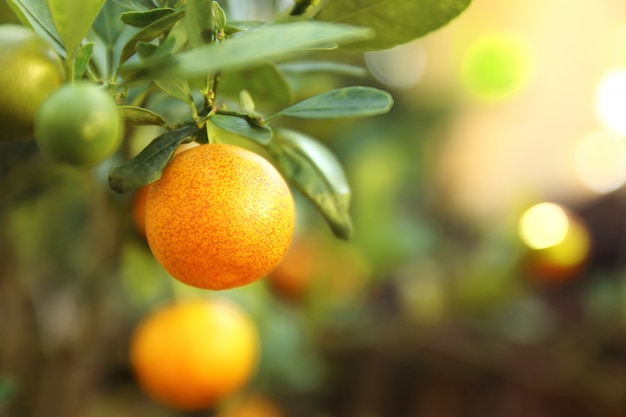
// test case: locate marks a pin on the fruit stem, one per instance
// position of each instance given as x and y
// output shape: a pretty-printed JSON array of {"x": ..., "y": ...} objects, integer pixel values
[
  {"x": 70, "y": 68},
  {"x": 210, "y": 89},
  {"x": 194, "y": 111},
  {"x": 211, "y": 138},
  {"x": 267, "y": 119}
]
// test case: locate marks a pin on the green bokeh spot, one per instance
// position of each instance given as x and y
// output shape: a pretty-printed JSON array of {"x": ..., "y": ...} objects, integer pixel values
[{"x": 496, "y": 67}]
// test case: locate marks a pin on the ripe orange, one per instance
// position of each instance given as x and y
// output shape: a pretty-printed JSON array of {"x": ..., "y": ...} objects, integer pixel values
[
  {"x": 139, "y": 198},
  {"x": 220, "y": 217},
  {"x": 189, "y": 355}
]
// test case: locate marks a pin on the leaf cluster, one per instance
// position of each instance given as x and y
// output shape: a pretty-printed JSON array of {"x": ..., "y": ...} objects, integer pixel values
[{"x": 191, "y": 53}]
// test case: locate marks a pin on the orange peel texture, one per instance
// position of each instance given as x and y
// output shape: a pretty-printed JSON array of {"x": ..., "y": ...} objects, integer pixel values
[{"x": 220, "y": 217}]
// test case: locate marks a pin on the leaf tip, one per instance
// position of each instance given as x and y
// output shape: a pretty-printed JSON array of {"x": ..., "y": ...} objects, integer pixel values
[
  {"x": 344, "y": 230},
  {"x": 116, "y": 182}
]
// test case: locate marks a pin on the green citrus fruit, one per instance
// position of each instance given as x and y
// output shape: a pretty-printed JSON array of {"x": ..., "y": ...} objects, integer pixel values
[
  {"x": 78, "y": 125},
  {"x": 31, "y": 70}
]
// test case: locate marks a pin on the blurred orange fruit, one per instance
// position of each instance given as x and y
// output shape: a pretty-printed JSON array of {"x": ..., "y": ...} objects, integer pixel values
[
  {"x": 189, "y": 355},
  {"x": 292, "y": 277},
  {"x": 220, "y": 217},
  {"x": 334, "y": 268}
]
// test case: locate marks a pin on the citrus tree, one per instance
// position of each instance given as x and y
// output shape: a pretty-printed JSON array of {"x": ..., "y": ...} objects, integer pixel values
[
  {"x": 150, "y": 54},
  {"x": 221, "y": 214}
]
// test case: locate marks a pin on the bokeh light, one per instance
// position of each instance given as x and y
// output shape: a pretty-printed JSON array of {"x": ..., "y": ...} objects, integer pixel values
[
  {"x": 496, "y": 67},
  {"x": 400, "y": 67},
  {"x": 565, "y": 260},
  {"x": 600, "y": 161},
  {"x": 610, "y": 100},
  {"x": 543, "y": 225}
]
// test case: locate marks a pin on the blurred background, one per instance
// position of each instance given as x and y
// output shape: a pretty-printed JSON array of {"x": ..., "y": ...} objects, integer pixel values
[{"x": 487, "y": 275}]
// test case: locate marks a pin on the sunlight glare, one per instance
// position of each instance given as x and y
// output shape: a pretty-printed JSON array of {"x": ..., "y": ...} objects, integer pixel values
[
  {"x": 600, "y": 162},
  {"x": 543, "y": 225},
  {"x": 610, "y": 101}
]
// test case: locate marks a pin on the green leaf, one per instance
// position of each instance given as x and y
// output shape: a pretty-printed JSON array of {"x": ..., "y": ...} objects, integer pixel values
[
  {"x": 150, "y": 32},
  {"x": 243, "y": 127},
  {"x": 73, "y": 19},
  {"x": 176, "y": 87},
  {"x": 142, "y": 19},
  {"x": 107, "y": 24},
  {"x": 138, "y": 5},
  {"x": 107, "y": 29},
  {"x": 264, "y": 83},
  {"x": 36, "y": 14},
  {"x": 219, "y": 17},
  {"x": 394, "y": 21},
  {"x": 140, "y": 116},
  {"x": 149, "y": 164},
  {"x": 248, "y": 48},
  {"x": 174, "y": 41},
  {"x": 305, "y": 7},
  {"x": 317, "y": 173},
  {"x": 246, "y": 101},
  {"x": 142, "y": 5},
  {"x": 82, "y": 59},
  {"x": 343, "y": 102},
  {"x": 146, "y": 49},
  {"x": 335, "y": 68},
  {"x": 199, "y": 22},
  {"x": 241, "y": 26}
]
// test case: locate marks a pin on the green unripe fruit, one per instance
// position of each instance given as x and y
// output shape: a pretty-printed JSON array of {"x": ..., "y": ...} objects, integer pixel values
[
  {"x": 79, "y": 124},
  {"x": 30, "y": 71}
]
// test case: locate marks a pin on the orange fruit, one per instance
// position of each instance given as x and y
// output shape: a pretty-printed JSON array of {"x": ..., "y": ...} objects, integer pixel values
[
  {"x": 139, "y": 198},
  {"x": 139, "y": 209},
  {"x": 220, "y": 217},
  {"x": 320, "y": 265},
  {"x": 189, "y": 355},
  {"x": 292, "y": 277}
]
